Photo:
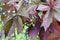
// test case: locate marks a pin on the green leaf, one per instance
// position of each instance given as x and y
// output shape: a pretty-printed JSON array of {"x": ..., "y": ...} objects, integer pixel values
[
  {"x": 40, "y": 14},
  {"x": 19, "y": 24},
  {"x": 7, "y": 26},
  {"x": 35, "y": 38}
]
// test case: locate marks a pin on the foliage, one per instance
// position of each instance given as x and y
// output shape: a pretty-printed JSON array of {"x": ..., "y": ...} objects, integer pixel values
[{"x": 29, "y": 19}]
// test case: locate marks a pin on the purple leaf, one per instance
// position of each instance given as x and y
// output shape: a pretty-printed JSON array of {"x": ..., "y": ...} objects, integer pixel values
[
  {"x": 42, "y": 34},
  {"x": 47, "y": 20},
  {"x": 6, "y": 1},
  {"x": 32, "y": 9},
  {"x": 56, "y": 14},
  {"x": 57, "y": 3},
  {"x": 43, "y": 7},
  {"x": 48, "y": 1},
  {"x": 33, "y": 31}
]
